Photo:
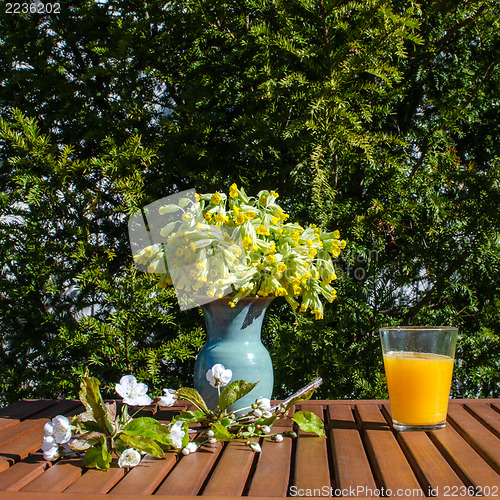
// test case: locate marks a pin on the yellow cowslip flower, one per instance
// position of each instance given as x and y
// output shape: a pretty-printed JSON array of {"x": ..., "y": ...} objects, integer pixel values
[
  {"x": 317, "y": 314},
  {"x": 219, "y": 218},
  {"x": 281, "y": 292},
  {"x": 309, "y": 243},
  {"x": 197, "y": 197},
  {"x": 271, "y": 249},
  {"x": 233, "y": 191},
  {"x": 250, "y": 215},
  {"x": 270, "y": 259},
  {"x": 275, "y": 194},
  {"x": 335, "y": 252},
  {"x": 275, "y": 221},
  {"x": 208, "y": 216},
  {"x": 312, "y": 253},
  {"x": 262, "y": 231},
  {"x": 210, "y": 293},
  {"x": 343, "y": 244},
  {"x": 296, "y": 235},
  {"x": 240, "y": 218},
  {"x": 192, "y": 245},
  {"x": 336, "y": 234},
  {"x": 247, "y": 241},
  {"x": 237, "y": 251},
  {"x": 281, "y": 268},
  {"x": 236, "y": 209},
  {"x": 303, "y": 308},
  {"x": 201, "y": 265},
  {"x": 215, "y": 199},
  {"x": 232, "y": 304}
]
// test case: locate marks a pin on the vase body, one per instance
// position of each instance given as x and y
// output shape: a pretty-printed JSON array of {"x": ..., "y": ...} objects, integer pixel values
[{"x": 234, "y": 340}]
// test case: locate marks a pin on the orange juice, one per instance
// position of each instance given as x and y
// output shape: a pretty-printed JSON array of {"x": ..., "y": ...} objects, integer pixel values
[{"x": 419, "y": 386}]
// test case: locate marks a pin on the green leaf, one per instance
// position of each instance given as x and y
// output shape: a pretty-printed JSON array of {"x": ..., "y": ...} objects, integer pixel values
[
  {"x": 192, "y": 417},
  {"x": 98, "y": 457},
  {"x": 220, "y": 432},
  {"x": 193, "y": 396},
  {"x": 142, "y": 443},
  {"x": 234, "y": 391},
  {"x": 302, "y": 397},
  {"x": 91, "y": 398},
  {"x": 309, "y": 422},
  {"x": 90, "y": 426},
  {"x": 148, "y": 427}
]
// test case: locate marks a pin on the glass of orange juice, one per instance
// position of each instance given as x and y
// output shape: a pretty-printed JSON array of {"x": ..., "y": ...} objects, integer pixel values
[{"x": 418, "y": 363}]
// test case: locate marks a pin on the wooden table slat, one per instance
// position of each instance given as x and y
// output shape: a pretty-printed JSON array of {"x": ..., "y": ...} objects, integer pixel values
[
  {"x": 361, "y": 454},
  {"x": 312, "y": 470},
  {"x": 487, "y": 415},
  {"x": 20, "y": 447},
  {"x": 353, "y": 474},
  {"x": 145, "y": 478},
  {"x": 58, "y": 477},
  {"x": 231, "y": 472},
  {"x": 391, "y": 468},
  {"x": 272, "y": 473},
  {"x": 21, "y": 473},
  {"x": 477, "y": 435},
  {"x": 21, "y": 410},
  {"x": 97, "y": 481},
  {"x": 466, "y": 462},
  {"x": 191, "y": 471}
]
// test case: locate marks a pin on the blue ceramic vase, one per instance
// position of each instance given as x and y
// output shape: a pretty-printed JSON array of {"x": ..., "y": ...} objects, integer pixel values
[{"x": 234, "y": 340}]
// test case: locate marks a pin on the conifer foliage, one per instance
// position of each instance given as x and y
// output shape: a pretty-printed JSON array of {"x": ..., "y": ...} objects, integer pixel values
[{"x": 377, "y": 118}]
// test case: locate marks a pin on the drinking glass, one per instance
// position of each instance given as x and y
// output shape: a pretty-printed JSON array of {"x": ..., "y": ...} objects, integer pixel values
[{"x": 418, "y": 363}]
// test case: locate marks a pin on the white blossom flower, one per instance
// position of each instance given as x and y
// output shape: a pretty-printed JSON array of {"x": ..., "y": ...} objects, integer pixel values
[
  {"x": 190, "y": 448},
  {"x": 257, "y": 413},
  {"x": 212, "y": 440},
  {"x": 168, "y": 399},
  {"x": 133, "y": 393},
  {"x": 210, "y": 433},
  {"x": 129, "y": 458},
  {"x": 266, "y": 429},
  {"x": 51, "y": 453},
  {"x": 263, "y": 403},
  {"x": 255, "y": 447},
  {"x": 278, "y": 438},
  {"x": 177, "y": 434},
  {"x": 218, "y": 376},
  {"x": 267, "y": 414},
  {"x": 59, "y": 429}
]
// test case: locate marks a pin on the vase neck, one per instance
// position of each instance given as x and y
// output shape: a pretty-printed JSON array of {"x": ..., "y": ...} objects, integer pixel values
[{"x": 242, "y": 322}]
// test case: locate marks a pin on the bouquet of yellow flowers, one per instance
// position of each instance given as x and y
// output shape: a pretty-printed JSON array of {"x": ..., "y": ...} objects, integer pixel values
[{"x": 216, "y": 244}]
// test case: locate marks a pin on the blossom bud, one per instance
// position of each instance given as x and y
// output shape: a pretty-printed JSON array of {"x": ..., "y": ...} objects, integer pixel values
[
  {"x": 212, "y": 440},
  {"x": 267, "y": 414},
  {"x": 190, "y": 448},
  {"x": 255, "y": 447},
  {"x": 266, "y": 429},
  {"x": 257, "y": 413},
  {"x": 210, "y": 433},
  {"x": 278, "y": 438}
]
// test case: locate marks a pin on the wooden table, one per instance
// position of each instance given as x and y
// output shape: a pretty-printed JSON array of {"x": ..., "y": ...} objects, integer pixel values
[{"x": 361, "y": 456}]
